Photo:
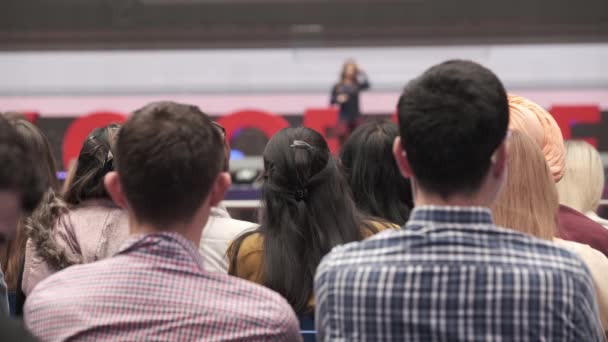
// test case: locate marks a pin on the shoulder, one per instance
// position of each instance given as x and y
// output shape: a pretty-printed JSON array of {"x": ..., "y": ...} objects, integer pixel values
[
  {"x": 225, "y": 228},
  {"x": 94, "y": 208},
  {"x": 563, "y": 259},
  {"x": 554, "y": 256},
  {"x": 249, "y": 291},
  {"x": 67, "y": 282},
  {"x": 570, "y": 220},
  {"x": 252, "y": 243},
  {"x": 254, "y": 302},
  {"x": 247, "y": 259},
  {"x": 379, "y": 226},
  {"x": 594, "y": 259},
  {"x": 63, "y": 289},
  {"x": 363, "y": 252}
]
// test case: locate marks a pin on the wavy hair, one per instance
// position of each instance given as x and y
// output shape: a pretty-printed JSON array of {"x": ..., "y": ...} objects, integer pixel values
[{"x": 307, "y": 209}]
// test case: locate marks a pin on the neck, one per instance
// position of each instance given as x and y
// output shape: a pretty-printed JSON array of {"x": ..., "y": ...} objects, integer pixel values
[
  {"x": 454, "y": 201},
  {"x": 457, "y": 200},
  {"x": 191, "y": 231}
]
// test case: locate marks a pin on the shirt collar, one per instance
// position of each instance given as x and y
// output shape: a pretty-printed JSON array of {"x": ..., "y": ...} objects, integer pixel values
[
  {"x": 168, "y": 240},
  {"x": 219, "y": 211},
  {"x": 451, "y": 215}
]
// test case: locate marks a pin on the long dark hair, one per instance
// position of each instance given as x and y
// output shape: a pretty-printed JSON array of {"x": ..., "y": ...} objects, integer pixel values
[
  {"x": 307, "y": 209},
  {"x": 95, "y": 160},
  {"x": 378, "y": 187},
  {"x": 84, "y": 182},
  {"x": 12, "y": 254}
]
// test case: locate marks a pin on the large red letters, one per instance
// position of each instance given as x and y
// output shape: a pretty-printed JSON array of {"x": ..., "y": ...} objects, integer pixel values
[{"x": 319, "y": 119}]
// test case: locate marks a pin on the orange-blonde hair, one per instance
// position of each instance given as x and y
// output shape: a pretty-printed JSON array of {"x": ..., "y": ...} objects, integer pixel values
[
  {"x": 537, "y": 123},
  {"x": 528, "y": 201}
]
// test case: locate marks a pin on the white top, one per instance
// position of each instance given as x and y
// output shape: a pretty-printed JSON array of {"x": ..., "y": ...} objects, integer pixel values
[
  {"x": 219, "y": 232},
  {"x": 592, "y": 215},
  {"x": 598, "y": 265}
]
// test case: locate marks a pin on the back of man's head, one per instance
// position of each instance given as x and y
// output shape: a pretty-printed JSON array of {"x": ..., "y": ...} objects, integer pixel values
[
  {"x": 451, "y": 119},
  {"x": 168, "y": 158}
]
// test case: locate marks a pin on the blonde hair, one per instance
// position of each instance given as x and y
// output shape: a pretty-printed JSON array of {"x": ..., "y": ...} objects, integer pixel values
[
  {"x": 583, "y": 184},
  {"x": 528, "y": 201}
]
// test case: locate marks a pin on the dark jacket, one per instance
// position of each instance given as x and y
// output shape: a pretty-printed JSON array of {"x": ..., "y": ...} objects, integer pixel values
[
  {"x": 14, "y": 330},
  {"x": 349, "y": 110}
]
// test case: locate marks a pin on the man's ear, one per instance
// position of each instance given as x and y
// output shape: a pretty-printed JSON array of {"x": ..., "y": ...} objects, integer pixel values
[
  {"x": 219, "y": 188},
  {"x": 401, "y": 158},
  {"x": 114, "y": 189},
  {"x": 499, "y": 160}
]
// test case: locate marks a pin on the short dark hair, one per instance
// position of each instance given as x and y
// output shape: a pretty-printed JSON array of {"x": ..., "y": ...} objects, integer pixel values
[
  {"x": 167, "y": 156},
  {"x": 18, "y": 172},
  {"x": 370, "y": 168},
  {"x": 451, "y": 120}
]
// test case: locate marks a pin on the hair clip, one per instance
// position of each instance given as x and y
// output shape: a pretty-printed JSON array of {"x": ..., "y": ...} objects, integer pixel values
[
  {"x": 301, "y": 144},
  {"x": 301, "y": 194}
]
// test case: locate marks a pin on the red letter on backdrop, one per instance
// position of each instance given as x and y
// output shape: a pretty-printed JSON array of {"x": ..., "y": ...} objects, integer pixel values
[
  {"x": 321, "y": 120},
  {"x": 568, "y": 116},
  {"x": 80, "y": 128},
  {"x": 31, "y": 116},
  {"x": 264, "y": 121}
]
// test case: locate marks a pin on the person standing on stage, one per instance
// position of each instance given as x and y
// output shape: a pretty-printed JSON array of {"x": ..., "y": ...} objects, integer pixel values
[{"x": 346, "y": 94}]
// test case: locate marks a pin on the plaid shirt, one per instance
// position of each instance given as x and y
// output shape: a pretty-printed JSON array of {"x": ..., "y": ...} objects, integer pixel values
[
  {"x": 155, "y": 289},
  {"x": 451, "y": 275}
]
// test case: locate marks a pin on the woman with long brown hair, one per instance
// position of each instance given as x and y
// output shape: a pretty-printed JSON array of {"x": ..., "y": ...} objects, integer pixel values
[
  {"x": 12, "y": 254},
  {"x": 84, "y": 225},
  {"x": 307, "y": 209},
  {"x": 345, "y": 94},
  {"x": 529, "y": 203}
]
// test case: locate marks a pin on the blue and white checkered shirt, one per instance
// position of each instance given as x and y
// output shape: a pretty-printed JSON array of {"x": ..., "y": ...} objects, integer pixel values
[{"x": 451, "y": 275}]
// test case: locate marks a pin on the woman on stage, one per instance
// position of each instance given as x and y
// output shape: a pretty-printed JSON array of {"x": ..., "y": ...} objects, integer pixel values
[{"x": 346, "y": 94}]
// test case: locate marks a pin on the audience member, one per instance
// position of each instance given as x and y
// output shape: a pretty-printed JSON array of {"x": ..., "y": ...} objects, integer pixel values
[
  {"x": 378, "y": 188},
  {"x": 529, "y": 203},
  {"x": 582, "y": 186},
  {"x": 307, "y": 209},
  {"x": 83, "y": 226},
  {"x": 21, "y": 187},
  {"x": 12, "y": 255},
  {"x": 451, "y": 273},
  {"x": 168, "y": 175},
  {"x": 221, "y": 229},
  {"x": 536, "y": 122}
]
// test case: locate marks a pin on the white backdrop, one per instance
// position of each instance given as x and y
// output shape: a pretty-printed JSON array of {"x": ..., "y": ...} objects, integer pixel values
[
  {"x": 283, "y": 81},
  {"x": 561, "y": 66}
]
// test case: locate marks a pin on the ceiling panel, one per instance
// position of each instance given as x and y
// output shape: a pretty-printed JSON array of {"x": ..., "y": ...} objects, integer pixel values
[{"x": 145, "y": 24}]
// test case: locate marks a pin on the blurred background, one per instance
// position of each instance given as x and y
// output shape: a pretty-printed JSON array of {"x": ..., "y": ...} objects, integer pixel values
[{"x": 63, "y": 60}]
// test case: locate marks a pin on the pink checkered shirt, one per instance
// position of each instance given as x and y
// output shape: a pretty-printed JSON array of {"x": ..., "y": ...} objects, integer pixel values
[{"x": 155, "y": 288}]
